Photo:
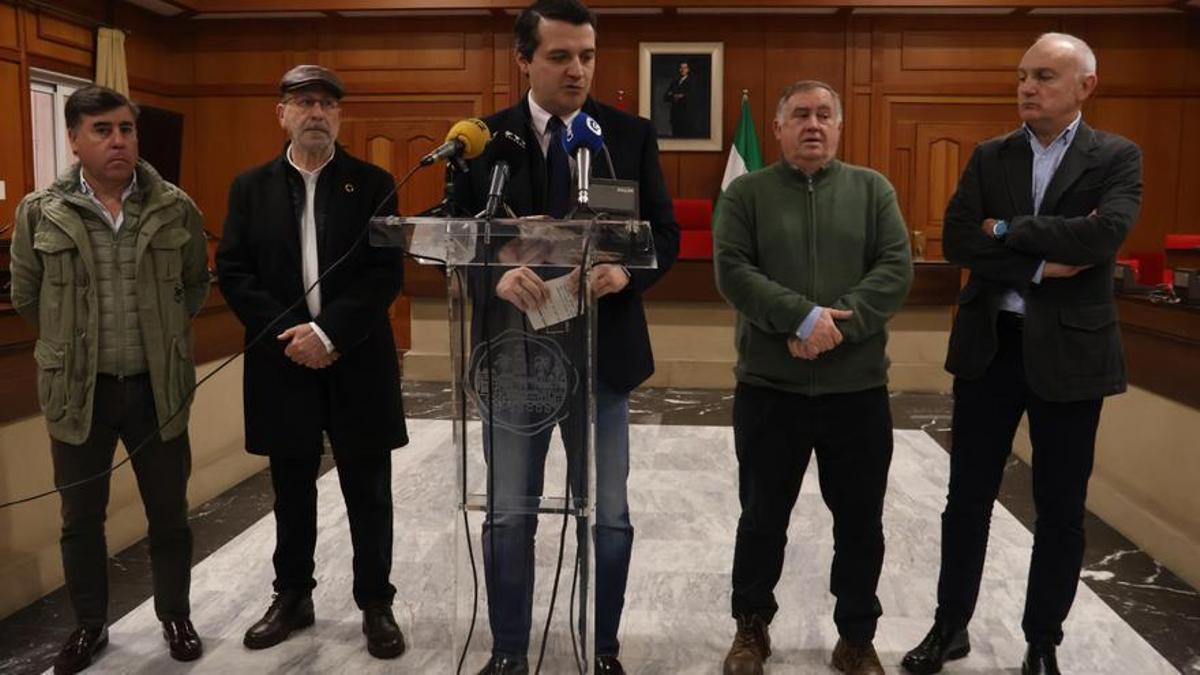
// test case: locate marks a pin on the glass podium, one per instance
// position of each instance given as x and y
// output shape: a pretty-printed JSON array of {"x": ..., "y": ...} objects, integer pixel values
[{"x": 517, "y": 377}]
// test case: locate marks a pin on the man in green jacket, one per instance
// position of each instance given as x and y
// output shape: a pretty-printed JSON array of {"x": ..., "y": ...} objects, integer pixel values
[
  {"x": 813, "y": 254},
  {"x": 109, "y": 266}
]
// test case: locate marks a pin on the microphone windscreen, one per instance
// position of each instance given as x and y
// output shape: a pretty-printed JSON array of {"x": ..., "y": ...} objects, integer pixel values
[
  {"x": 474, "y": 135},
  {"x": 583, "y": 132},
  {"x": 508, "y": 146}
]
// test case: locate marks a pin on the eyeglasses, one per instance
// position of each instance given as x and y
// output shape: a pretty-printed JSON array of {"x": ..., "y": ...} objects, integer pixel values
[{"x": 308, "y": 102}]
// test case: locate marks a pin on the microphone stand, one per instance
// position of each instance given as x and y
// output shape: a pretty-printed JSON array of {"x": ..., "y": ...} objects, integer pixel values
[{"x": 448, "y": 207}]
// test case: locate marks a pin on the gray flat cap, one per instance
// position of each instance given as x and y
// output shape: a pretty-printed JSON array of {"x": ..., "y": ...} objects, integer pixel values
[{"x": 307, "y": 75}]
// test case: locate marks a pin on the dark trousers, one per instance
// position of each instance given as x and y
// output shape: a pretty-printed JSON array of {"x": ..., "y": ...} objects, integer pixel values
[
  {"x": 986, "y": 414},
  {"x": 124, "y": 409},
  {"x": 366, "y": 482},
  {"x": 775, "y": 433}
]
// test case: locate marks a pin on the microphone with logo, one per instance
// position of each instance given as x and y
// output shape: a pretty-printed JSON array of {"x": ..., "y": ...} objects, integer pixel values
[
  {"x": 581, "y": 139},
  {"x": 465, "y": 140},
  {"x": 507, "y": 152}
]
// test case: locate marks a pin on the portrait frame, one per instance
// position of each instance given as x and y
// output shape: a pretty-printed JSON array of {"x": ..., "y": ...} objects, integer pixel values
[{"x": 691, "y": 121}]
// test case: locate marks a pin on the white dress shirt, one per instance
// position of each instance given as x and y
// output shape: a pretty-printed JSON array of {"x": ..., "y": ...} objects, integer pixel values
[
  {"x": 310, "y": 265},
  {"x": 114, "y": 223}
]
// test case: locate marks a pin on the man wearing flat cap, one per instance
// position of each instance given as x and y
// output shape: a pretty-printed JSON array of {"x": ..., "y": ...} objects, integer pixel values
[{"x": 325, "y": 366}]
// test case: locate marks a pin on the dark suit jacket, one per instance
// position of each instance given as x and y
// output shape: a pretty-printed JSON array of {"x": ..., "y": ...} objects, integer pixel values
[
  {"x": 623, "y": 357},
  {"x": 681, "y": 118},
  {"x": 259, "y": 268},
  {"x": 1072, "y": 344}
]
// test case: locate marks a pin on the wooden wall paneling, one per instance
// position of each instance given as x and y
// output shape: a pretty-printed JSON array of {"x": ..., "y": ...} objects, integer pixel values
[
  {"x": 251, "y": 52},
  {"x": 452, "y": 107},
  {"x": 856, "y": 98},
  {"x": 800, "y": 48},
  {"x": 59, "y": 40},
  {"x": 1135, "y": 54},
  {"x": 616, "y": 60},
  {"x": 1154, "y": 124},
  {"x": 409, "y": 55},
  {"x": 1193, "y": 64},
  {"x": 927, "y": 142},
  {"x": 1187, "y": 200},
  {"x": 157, "y": 51},
  {"x": 397, "y": 145},
  {"x": 380, "y": 151},
  {"x": 8, "y": 27},
  {"x": 929, "y": 51},
  {"x": 232, "y": 135},
  {"x": 18, "y": 370},
  {"x": 14, "y": 101},
  {"x": 506, "y": 82}
]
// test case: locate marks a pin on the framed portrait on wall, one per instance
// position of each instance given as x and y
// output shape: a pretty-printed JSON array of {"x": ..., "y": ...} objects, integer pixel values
[{"x": 679, "y": 90}]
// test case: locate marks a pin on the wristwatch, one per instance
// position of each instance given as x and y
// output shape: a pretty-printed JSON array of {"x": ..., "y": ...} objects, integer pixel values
[{"x": 1000, "y": 228}]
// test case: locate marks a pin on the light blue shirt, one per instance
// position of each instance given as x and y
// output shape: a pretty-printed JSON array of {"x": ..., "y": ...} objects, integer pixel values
[{"x": 1046, "y": 160}]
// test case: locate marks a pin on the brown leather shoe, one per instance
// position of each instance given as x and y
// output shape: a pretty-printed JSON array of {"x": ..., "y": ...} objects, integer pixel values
[
  {"x": 80, "y": 649},
  {"x": 751, "y": 646},
  {"x": 181, "y": 637},
  {"x": 856, "y": 658}
]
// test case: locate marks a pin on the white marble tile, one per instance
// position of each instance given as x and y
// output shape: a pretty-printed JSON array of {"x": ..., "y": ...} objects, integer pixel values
[{"x": 683, "y": 495}]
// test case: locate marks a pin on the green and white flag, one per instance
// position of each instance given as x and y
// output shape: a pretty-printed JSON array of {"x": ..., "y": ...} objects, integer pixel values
[{"x": 744, "y": 155}]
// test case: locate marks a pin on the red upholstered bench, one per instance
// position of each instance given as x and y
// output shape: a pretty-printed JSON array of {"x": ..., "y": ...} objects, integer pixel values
[
  {"x": 1181, "y": 241},
  {"x": 695, "y": 228}
]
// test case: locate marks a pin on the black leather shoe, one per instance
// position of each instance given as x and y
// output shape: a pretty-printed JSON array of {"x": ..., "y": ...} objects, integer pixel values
[
  {"x": 1040, "y": 660},
  {"x": 288, "y": 612},
  {"x": 501, "y": 664},
  {"x": 609, "y": 665},
  {"x": 181, "y": 637},
  {"x": 938, "y": 647},
  {"x": 80, "y": 649},
  {"x": 384, "y": 639}
]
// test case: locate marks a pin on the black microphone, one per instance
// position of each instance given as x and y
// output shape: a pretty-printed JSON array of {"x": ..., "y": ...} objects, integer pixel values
[
  {"x": 508, "y": 153},
  {"x": 466, "y": 138}
]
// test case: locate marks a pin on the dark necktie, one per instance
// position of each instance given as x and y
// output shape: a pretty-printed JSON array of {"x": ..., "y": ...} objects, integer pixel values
[{"x": 558, "y": 172}]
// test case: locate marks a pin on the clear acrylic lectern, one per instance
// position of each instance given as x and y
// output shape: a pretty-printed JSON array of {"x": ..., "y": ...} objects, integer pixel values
[{"x": 516, "y": 378}]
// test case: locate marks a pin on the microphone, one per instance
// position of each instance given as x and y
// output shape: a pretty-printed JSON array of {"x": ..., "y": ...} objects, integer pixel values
[
  {"x": 508, "y": 152},
  {"x": 583, "y": 138},
  {"x": 465, "y": 139}
]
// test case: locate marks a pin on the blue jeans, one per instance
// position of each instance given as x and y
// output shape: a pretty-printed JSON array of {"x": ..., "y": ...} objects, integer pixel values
[{"x": 508, "y": 532}]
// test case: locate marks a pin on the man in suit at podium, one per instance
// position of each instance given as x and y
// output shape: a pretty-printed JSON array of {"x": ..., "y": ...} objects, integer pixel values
[
  {"x": 1038, "y": 218},
  {"x": 324, "y": 366},
  {"x": 556, "y": 49}
]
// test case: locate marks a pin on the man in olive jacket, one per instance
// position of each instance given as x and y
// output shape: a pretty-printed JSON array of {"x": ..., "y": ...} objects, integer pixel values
[
  {"x": 813, "y": 254},
  {"x": 109, "y": 266}
]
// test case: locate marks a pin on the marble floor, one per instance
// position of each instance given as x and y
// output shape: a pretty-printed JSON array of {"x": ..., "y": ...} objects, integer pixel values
[
  {"x": 683, "y": 500},
  {"x": 1131, "y": 615}
]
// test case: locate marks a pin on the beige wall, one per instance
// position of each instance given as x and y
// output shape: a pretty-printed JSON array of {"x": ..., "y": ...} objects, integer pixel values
[
  {"x": 30, "y": 563},
  {"x": 693, "y": 345},
  {"x": 1145, "y": 480}
]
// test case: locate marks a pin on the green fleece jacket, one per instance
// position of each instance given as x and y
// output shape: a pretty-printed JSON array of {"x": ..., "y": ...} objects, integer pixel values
[{"x": 785, "y": 242}]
